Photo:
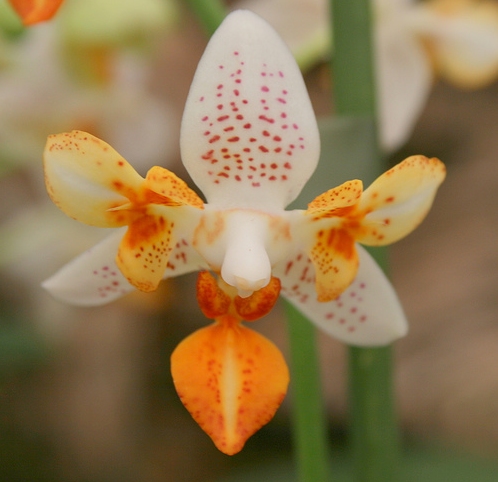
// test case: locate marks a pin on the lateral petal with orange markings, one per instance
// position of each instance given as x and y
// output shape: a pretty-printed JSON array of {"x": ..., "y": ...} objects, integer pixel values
[
  {"x": 91, "y": 182},
  {"x": 86, "y": 178},
  {"x": 231, "y": 380},
  {"x": 335, "y": 261},
  {"x": 397, "y": 201},
  {"x": 144, "y": 251}
]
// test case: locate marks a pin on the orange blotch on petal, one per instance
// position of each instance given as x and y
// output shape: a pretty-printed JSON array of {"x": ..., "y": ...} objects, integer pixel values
[
  {"x": 35, "y": 11},
  {"x": 259, "y": 303},
  {"x": 335, "y": 260},
  {"x": 231, "y": 379},
  {"x": 144, "y": 251}
]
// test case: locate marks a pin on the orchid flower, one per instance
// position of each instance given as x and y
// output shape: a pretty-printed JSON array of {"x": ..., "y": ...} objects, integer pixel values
[
  {"x": 35, "y": 11},
  {"x": 249, "y": 140}
]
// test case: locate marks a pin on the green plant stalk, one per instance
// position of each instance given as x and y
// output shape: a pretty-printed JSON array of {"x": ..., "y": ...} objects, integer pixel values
[
  {"x": 210, "y": 13},
  {"x": 374, "y": 431},
  {"x": 352, "y": 60},
  {"x": 308, "y": 413}
]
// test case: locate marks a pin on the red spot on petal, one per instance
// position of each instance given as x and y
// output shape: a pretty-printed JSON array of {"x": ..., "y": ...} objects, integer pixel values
[{"x": 266, "y": 119}]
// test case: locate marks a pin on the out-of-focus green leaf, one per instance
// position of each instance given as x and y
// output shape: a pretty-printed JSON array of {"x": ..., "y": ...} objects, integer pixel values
[{"x": 20, "y": 348}]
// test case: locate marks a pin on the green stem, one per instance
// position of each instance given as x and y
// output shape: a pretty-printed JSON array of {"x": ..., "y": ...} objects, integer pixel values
[
  {"x": 374, "y": 432},
  {"x": 352, "y": 62},
  {"x": 308, "y": 413},
  {"x": 374, "y": 428},
  {"x": 209, "y": 12}
]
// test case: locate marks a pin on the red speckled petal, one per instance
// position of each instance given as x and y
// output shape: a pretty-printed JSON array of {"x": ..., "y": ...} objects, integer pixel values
[
  {"x": 92, "y": 278},
  {"x": 85, "y": 177},
  {"x": 368, "y": 313},
  {"x": 249, "y": 136},
  {"x": 35, "y": 11},
  {"x": 231, "y": 380},
  {"x": 398, "y": 201}
]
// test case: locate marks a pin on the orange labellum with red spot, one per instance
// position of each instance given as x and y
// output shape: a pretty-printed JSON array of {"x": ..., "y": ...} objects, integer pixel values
[
  {"x": 231, "y": 380},
  {"x": 213, "y": 301},
  {"x": 259, "y": 303}
]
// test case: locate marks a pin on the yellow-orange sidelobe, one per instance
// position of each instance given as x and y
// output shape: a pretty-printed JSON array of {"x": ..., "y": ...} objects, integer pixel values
[{"x": 249, "y": 140}]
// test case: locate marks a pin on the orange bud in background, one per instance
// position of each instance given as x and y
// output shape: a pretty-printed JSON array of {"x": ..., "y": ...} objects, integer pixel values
[{"x": 35, "y": 11}]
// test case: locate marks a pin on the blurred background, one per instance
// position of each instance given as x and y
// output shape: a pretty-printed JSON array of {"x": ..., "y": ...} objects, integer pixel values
[{"x": 85, "y": 393}]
